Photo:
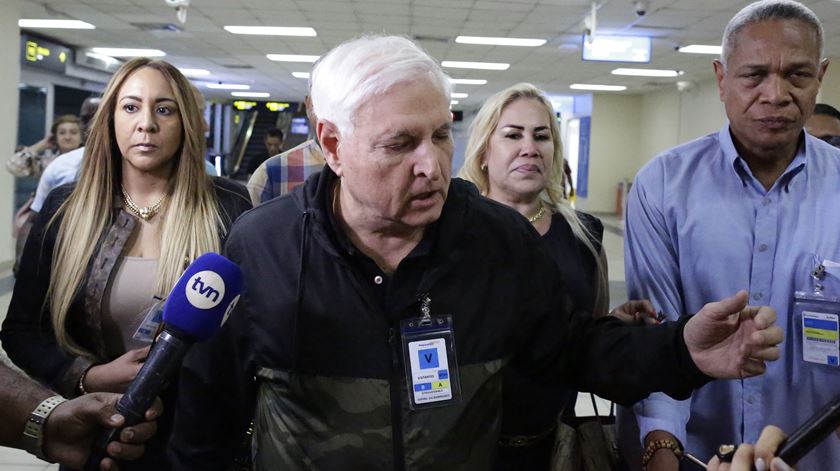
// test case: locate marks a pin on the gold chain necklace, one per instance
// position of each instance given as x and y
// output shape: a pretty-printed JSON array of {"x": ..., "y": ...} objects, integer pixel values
[
  {"x": 146, "y": 212},
  {"x": 537, "y": 216}
]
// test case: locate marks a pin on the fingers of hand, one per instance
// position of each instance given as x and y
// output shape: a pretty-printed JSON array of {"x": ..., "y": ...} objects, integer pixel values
[
  {"x": 716, "y": 465},
  {"x": 124, "y": 451},
  {"x": 108, "y": 464},
  {"x": 156, "y": 410},
  {"x": 744, "y": 457},
  {"x": 779, "y": 465},
  {"x": 764, "y": 316},
  {"x": 768, "y": 442},
  {"x": 752, "y": 367},
  {"x": 139, "y": 433},
  {"x": 726, "y": 307}
]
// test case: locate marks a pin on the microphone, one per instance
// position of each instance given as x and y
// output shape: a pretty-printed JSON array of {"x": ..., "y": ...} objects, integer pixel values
[
  {"x": 810, "y": 433},
  {"x": 195, "y": 309}
]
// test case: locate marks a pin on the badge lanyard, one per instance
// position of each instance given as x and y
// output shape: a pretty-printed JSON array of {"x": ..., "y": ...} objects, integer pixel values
[{"x": 431, "y": 365}]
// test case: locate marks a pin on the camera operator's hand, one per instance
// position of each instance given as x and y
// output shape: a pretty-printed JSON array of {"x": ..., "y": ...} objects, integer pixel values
[
  {"x": 72, "y": 428},
  {"x": 759, "y": 455}
]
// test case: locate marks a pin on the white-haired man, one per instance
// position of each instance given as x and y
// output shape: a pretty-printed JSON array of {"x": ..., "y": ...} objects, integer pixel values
[
  {"x": 375, "y": 326},
  {"x": 754, "y": 205}
]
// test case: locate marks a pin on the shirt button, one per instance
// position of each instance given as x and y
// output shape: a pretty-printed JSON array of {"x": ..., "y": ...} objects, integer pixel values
[
  {"x": 766, "y": 201},
  {"x": 757, "y": 296},
  {"x": 750, "y": 399},
  {"x": 377, "y": 279},
  {"x": 762, "y": 247}
]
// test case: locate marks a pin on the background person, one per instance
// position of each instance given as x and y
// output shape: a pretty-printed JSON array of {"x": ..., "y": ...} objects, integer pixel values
[
  {"x": 102, "y": 249},
  {"x": 65, "y": 135},
  {"x": 752, "y": 205},
  {"x": 825, "y": 124},
  {"x": 514, "y": 156}
]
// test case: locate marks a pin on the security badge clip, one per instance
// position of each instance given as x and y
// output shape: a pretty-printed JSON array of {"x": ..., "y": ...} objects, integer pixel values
[{"x": 430, "y": 360}]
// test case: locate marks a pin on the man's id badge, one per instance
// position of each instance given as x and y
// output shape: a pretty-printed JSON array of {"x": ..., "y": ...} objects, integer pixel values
[
  {"x": 431, "y": 366},
  {"x": 819, "y": 324}
]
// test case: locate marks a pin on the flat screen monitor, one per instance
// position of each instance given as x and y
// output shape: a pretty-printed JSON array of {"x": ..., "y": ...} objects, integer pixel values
[{"x": 300, "y": 126}]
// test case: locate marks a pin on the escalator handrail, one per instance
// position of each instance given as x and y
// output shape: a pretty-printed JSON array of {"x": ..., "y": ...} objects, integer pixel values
[{"x": 239, "y": 151}]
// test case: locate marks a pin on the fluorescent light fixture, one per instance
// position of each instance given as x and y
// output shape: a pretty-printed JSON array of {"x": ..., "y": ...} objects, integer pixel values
[
  {"x": 500, "y": 41},
  {"x": 291, "y": 58},
  {"x": 647, "y": 72},
  {"x": 460, "y": 95},
  {"x": 128, "y": 52},
  {"x": 272, "y": 30},
  {"x": 55, "y": 24},
  {"x": 616, "y": 48},
  {"x": 476, "y": 65},
  {"x": 228, "y": 86},
  {"x": 598, "y": 88},
  {"x": 250, "y": 94},
  {"x": 468, "y": 81},
  {"x": 454, "y": 102},
  {"x": 108, "y": 60},
  {"x": 300, "y": 75},
  {"x": 701, "y": 49},
  {"x": 194, "y": 72}
]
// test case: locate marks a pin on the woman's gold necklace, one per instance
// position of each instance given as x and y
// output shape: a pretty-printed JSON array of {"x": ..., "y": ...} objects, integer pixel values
[
  {"x": 537, "y": 216},
  {"x": 145, "y": 213}
]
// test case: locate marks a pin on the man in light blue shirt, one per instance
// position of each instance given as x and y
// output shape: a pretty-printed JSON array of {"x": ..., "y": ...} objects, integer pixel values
[{"x": 755, "y": 206}]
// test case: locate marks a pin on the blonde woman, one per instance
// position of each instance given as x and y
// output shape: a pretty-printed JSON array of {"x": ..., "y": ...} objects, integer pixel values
[
  {"x": 103, "y": 249},
  {"x": 65, "y": 135},
  {"x": 514, "y": 157}
]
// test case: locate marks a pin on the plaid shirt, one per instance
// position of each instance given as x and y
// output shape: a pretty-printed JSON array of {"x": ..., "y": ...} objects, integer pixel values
[{"x": 280, "y": 174}]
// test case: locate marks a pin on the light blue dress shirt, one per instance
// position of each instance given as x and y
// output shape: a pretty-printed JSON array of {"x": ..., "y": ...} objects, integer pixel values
[{"x": 699, "y": 228}]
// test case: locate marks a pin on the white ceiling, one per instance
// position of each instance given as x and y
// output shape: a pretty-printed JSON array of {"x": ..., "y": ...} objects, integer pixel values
[{"x": 204, "y": 43}]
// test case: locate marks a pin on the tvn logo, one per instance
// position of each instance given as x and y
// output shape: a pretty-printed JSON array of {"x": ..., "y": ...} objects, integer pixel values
[{"x": 205, "y": 289}]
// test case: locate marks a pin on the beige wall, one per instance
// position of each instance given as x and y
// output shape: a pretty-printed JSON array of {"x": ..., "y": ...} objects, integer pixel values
[
  {"x": 629, "y": 130},
  {"x": 9, "y": 75},
  {"x": 613, "y": 149}
]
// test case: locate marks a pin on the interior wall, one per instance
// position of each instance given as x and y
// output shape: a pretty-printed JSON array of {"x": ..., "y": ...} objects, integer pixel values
[
  {"x": 614, "y": 148},
  {"x": 9, "y": 78}
]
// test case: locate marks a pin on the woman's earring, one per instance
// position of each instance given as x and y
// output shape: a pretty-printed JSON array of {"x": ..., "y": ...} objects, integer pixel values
[{"x": 484, "y": 167}]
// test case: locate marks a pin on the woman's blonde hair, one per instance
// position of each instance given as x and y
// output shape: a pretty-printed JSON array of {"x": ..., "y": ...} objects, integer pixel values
[
  {"x": 553, "y": 195},
  {"x": 191, "y": 225}
]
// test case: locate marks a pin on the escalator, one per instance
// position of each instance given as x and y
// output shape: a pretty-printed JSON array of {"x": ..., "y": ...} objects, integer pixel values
[{"x": 249, "y": 148}]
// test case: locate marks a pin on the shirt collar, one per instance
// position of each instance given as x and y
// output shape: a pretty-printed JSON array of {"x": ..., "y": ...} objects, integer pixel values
[{"x": 730, "y": 155}]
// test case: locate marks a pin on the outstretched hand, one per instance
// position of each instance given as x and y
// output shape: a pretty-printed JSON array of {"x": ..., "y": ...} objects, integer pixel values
[
  {"x": 749, "y": 457},
  {"x": 728, "y": 339}
]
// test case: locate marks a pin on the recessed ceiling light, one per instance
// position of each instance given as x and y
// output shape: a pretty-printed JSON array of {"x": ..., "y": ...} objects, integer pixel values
[
  {"x": 454, "y": 102},
  {"x": 460, "y": 95},
  {"x": 128, "y": 52},
  {"x": 701, "y": 49},
  {"x": 194, "y": 72},
  {"x": 468, "y": 81},
  {"x": 250, "y": 94},
  {"x": 272, "y": 30},
  {"x": 647, "y": 72},
  {"x": 476, "y": 65},
  {"x": 600, "y": 88},
  {"x": 228, "y": 86},
  {"x": 500, "y": 41},
  {"x": 108, "y": 60},
  {"x": 300, "y": 75},
  {"x": 291, "y": 57},
  {"x": 55, "y": 24}
]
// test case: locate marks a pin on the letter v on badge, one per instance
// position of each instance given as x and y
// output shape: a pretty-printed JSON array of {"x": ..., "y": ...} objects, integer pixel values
[{"x": 431, "y": 365}]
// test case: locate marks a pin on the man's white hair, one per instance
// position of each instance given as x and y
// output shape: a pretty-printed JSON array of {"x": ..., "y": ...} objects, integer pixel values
[
  {"x": 767, "y": 10},
  {"x": 357, "y": 70}
]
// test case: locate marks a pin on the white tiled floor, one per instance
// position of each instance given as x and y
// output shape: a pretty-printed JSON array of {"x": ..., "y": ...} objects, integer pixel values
[{"x": 15, "y": 460}]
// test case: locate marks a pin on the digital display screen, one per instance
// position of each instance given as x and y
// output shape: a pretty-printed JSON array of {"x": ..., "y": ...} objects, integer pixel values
[
  {"x": 616, "y": 48},
  {"x": 300, "y": 126}
]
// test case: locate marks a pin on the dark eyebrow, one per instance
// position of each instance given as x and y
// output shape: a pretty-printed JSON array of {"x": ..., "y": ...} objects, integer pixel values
[
  {"x": 158, "y": 100},
  {"x": 522, "y": 128}
]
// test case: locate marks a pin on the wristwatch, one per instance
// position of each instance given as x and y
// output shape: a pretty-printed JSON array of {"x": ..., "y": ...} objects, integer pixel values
[{"x": 33, "y": 432}]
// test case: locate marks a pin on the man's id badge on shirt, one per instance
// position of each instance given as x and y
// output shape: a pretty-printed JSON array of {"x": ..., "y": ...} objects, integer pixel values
[
  {"x": 820, "y": 338},
  {"x": 431, "y": 365},
  {"x": 152, "y": 318},
  {"x": 818, "y": 323}
]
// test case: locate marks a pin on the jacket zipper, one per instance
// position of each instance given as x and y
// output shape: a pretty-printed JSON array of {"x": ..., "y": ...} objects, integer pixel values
[{"x": 396, "y": 403}]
